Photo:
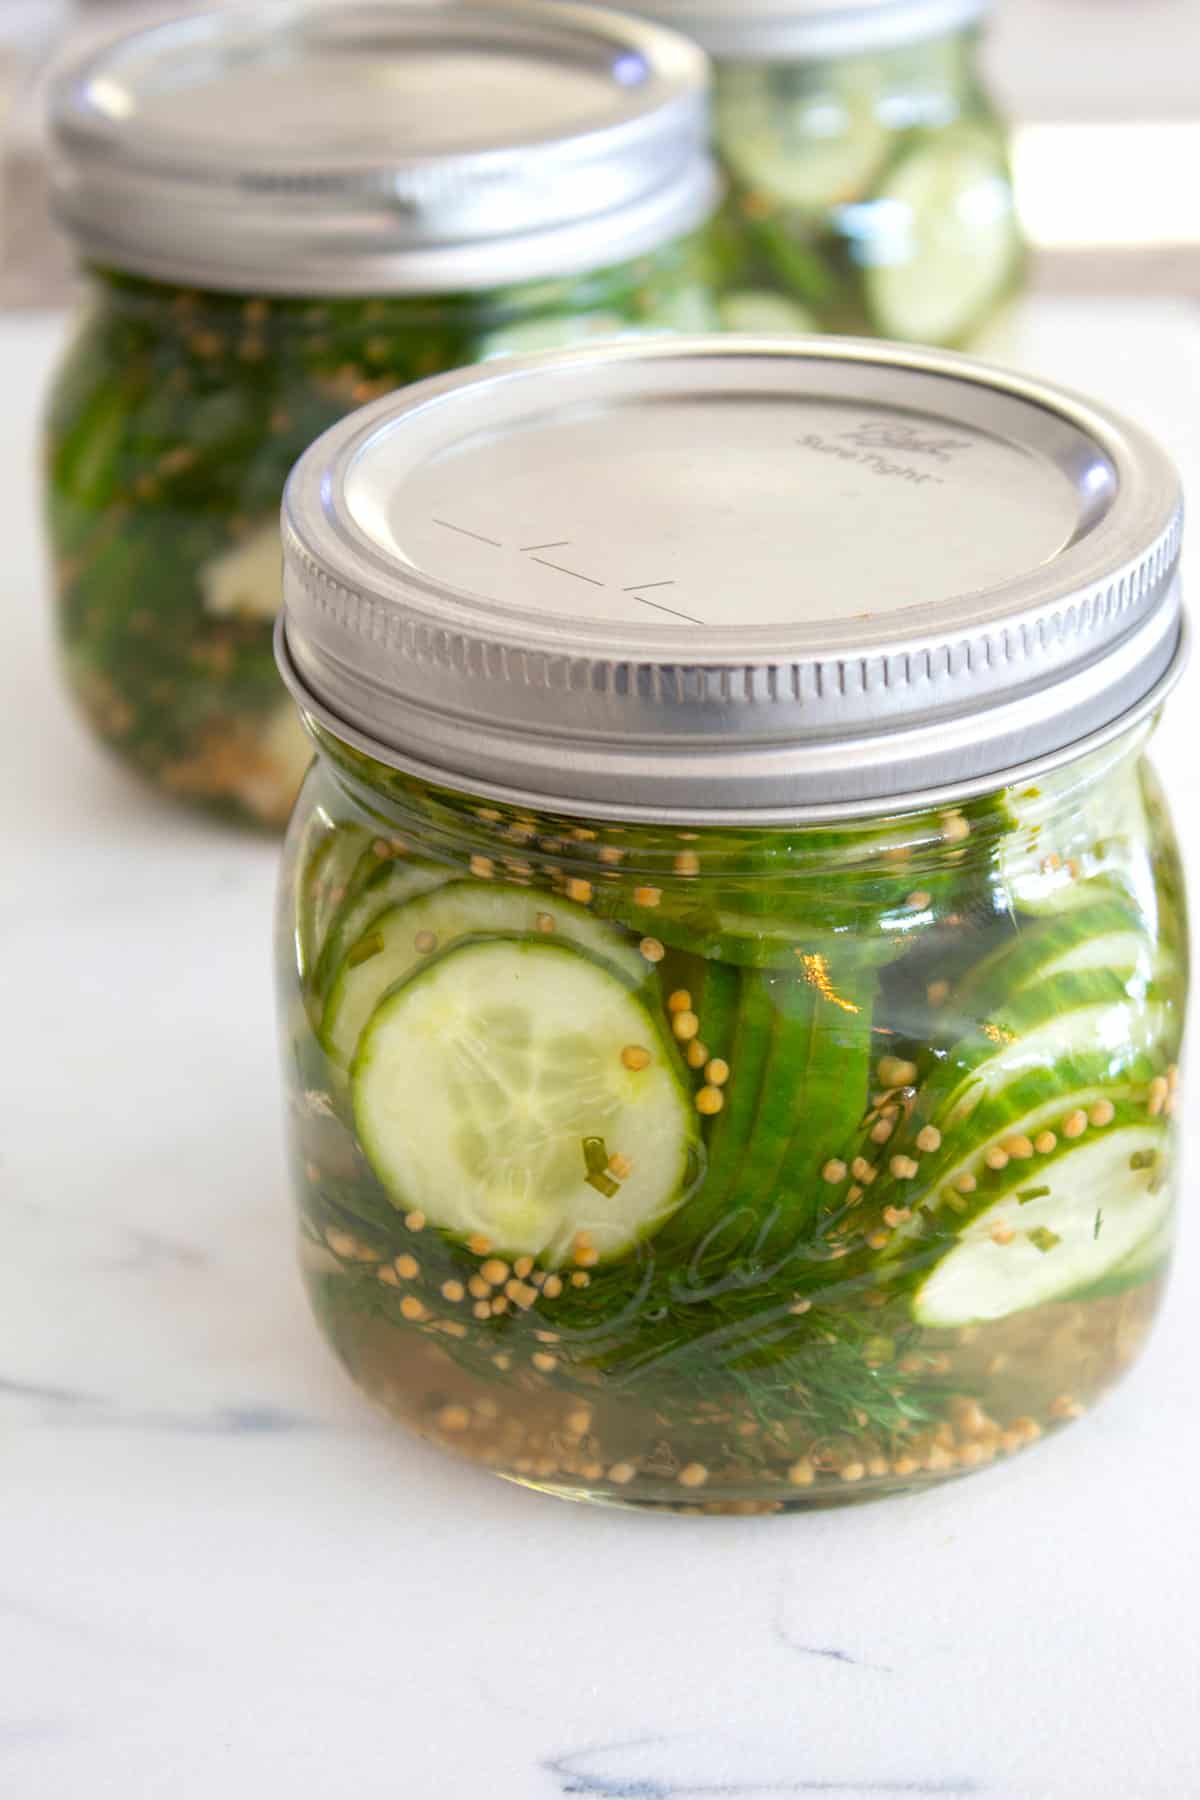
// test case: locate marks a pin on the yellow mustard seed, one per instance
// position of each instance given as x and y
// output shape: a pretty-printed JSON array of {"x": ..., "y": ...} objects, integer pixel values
[
  {"x": 1045, "y": 1142},
  {"x": 904, "y": 1168},
  {"x": 552, "y": 1287},
  {"x": 647, "y": 896},
  {"x": 693, "y": 1475},
  {"x": 411, "y": 1307},
  {"x": 478, "y": 1244},
  {"x": 652, "y": 949},
  {"x": 1075, "y": 1124},
  {"x": 877, "y": 1240},
  {"x": 499, "y": 1305},
  {"x": 802, "y": 1473},
  {"x": 389, "y": 1276},
  {"x": 454, "y": 1418},
  {"x": 581, "y": 1279},
  {"x": 424, "y": 942},
  {"x": 852, "y": 1471},
  {"x": 483, "y": 867},
  {"x": 834, "y": 1171},
  {"x": 579, "y": 890},
  {"x": 587, "y": 1259},
  {"x": 635, "y": 1057},
  {"x": 1103, "y": 1113},
  {"x": 918, "y": 901},
  {"x": 579, "y": 1422},
  {"x": 453, "y": 1290},
  {"x": 955, "y": 828},
  {"x": 408, "y": 1267},
  {"x": 687, "y": 863},
  {"x": 494, "y": 1271},
  {"x": 622, "y": 1473},
  {"x": 895, "y": 1072},
  {"x": 611, "y": 854},
  {"x": 929, "y": 1138},
  {"x": 680, "y": 1001},
  {"x": 863, "y": 1171},
  {"x": 1173, "y": 1078},
  {"x": 481, "y": 1289},
  {"x": 523, "y": 1267},
  {"x": 966, "y": 1182},
  {"x": 482, "y": 1309},
  {"x": 414, "y": 1221},
  {"x": 1019, "y": 1148},
  {"x": 542, "y": 1359},
  {"x": 685, "y": 1025},
  {"x": 544, "y": 923},
  {"x": 882, "y": 1130},
  {"x": 996, "y": 1158},
  {"x": 716, "y": 1072},
  {"x": 895, "y": 1216},
  {"x": 1001, "y": 1233},
  {"x": 853, "y": 1195},
  {"x": 709, "y": 1101},
  {"x": 502, "y": 1361},
  {"x": 620, "y": 1167},
  {"x": 697, "y": 1054}
]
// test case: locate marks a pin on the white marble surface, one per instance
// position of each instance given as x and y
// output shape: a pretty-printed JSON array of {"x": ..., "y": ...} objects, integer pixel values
[{"x": 222, "y": 1574}]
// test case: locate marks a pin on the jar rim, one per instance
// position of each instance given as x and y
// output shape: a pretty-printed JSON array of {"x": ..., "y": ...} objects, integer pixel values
[
  {"x": 291, "y": 147},
  {"x": 832, "y": 624}
]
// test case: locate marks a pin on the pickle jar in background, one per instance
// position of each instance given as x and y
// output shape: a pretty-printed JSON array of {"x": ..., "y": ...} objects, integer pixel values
[
  {"x": 870, "y": 188},
  {"x": 733, "y": 950},
  {"x": 284, "y": 213}
]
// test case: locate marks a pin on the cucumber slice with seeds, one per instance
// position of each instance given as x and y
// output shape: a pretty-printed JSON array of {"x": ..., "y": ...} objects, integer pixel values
[
  {"x": 1083, "y": 1213},
  {"x": 951, "y": 245},
  {"x": 488, "y": 1083},
  {"x": 405, "y": 936}
]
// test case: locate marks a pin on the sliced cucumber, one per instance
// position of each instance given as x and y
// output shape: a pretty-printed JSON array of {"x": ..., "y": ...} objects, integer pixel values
[
  {"x": 1053, "y": 1026},
  {"x": 1108, "y": 1194},
  {"x": 483, "y": 1079},
  {"x": 389, "y": 885},
  {"x": 808, "y": 142},
  {"x": 1103, "y": 934},
  {"x": 327, "y": 857},
  {"x": 403, "y": 937},
  {"x": 949, "y": 244}
]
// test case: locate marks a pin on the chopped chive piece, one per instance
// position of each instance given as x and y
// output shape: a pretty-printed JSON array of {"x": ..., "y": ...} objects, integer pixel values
[
  {"x": 1025, "y": 1195},
  {"x": 604, "y": 1184},
  {"x": 1099, "y": 1222},
  {"x": 1143, "y": 1159},
  {"x": 595, "y": 1155},
  {"x": 1044, "y": 1239},
  {"x": 365, "y": 949}
]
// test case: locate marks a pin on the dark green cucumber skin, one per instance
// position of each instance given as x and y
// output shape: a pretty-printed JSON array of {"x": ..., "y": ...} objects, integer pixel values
[
  {"x": 170, "y": 431},
  {"x": 817, "y": 257}
]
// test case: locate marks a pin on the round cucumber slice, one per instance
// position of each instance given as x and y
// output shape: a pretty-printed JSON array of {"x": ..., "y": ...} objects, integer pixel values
[
  {"x": 405, "y": 936},
  {"x": 806, "y": 143},
  {"x": 492, "y": 1086},
  {"x": 1105, "y": 1197},
  {"x": 950, "y": 245},
  {"x": 327, "y": 858}
]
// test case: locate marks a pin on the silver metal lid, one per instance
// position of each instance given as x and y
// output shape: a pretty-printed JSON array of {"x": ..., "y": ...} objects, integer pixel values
[
  {"x": 303, "y": 148},
  {"x": 754, "y": 30},
  {"x": 723, "y": 577}
]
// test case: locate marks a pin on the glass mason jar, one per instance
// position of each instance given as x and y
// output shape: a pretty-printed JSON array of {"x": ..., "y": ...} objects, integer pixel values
[
  {"x": 283, "y": 218},
  {"x": 732, "y": 1025},
  {"x": 870, "y": 189}
]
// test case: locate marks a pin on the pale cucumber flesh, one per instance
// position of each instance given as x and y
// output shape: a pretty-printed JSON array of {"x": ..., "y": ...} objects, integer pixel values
[{"x": 482, "y": 1080}]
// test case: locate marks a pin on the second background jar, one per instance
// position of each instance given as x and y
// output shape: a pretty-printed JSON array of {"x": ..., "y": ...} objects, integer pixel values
[{"x": 870, "y": 189}]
